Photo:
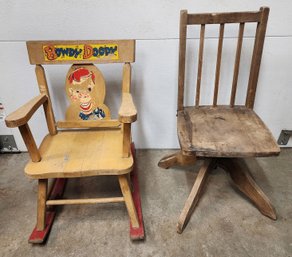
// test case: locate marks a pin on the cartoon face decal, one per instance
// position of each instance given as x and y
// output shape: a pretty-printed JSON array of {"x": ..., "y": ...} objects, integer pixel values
[{"x": 85, "y": 89}]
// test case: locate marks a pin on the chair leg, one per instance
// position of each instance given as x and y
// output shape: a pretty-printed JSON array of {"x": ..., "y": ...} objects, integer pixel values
[
  {"x": 130, "y": 182},
  {"x": 42, "y": 228},
  {"x": 242, "y": 179},
  {"x": 126, "y": 191},
  {"x": 41, "y": 204},
  {"x": 177, "y": 158},
  {"x": 194, "y": 195}
]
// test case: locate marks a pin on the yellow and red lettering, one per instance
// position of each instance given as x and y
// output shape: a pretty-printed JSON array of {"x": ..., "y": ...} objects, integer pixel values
[
  {"x": 88, "y": 50},
  {"x": 50, "y": 52}
]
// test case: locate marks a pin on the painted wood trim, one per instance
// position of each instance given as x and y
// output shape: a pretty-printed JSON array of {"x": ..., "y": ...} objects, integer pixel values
[{"x": 126, "y": 50}]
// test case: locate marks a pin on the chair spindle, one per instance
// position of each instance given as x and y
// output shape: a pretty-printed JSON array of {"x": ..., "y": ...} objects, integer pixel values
[
  {"x": 218, "y": 64},
  {"x": 200, "y": 64},
  {"x": 236, "y": 64}
]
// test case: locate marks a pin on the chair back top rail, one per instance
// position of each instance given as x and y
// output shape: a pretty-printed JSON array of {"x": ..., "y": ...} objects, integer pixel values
[
  {"x": 218, "y": 18},
  {"x": 81, "y": 51},
  {"x": 260, "y": 17}
]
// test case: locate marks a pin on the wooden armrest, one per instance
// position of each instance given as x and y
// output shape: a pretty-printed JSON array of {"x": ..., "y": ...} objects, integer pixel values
[
  {"x": 127, "y": 112},
  {"x": 22, "y": 115}
]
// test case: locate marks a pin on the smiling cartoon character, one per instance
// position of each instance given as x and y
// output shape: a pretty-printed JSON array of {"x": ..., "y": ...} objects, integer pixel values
[{"x": 85, "y": 88}]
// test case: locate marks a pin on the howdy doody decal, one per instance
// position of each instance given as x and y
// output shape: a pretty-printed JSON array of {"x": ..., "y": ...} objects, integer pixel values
[{"x": 80, "y": 52}]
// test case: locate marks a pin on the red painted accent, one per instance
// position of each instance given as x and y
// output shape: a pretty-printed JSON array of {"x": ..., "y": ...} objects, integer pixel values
[
  {"x": 86, "y": 107},
  {"x": 79, "y": 73},
  {"x": 136, "y": 233},
  {"x": 58, "y": 188},
  {"x": 39, "y": 236}
]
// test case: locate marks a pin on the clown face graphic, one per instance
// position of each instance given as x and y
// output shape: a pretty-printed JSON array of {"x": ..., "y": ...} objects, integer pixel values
[{"x": 83, "y": 92}]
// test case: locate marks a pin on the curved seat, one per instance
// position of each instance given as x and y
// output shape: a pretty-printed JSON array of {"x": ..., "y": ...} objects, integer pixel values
[{"x": 81, "y": 154}]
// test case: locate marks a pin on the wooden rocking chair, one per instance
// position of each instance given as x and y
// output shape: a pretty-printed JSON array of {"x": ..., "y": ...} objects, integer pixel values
[
  {"x": 222, "y": 134},
  {"x": 88, "y": 142}
]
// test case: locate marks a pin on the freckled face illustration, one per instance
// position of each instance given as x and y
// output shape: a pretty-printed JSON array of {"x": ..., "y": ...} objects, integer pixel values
[
  {"x": 82, "y": 89},
  {"x": 86, "y": 91}
]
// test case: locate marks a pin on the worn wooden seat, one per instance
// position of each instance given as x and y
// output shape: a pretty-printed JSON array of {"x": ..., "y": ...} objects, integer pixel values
[
  {"x": 224, "y": 132},
  {"x": 221, "y": 134},
  {"x": 88, "y": 142},
  {"x": 80, "y": 154}
]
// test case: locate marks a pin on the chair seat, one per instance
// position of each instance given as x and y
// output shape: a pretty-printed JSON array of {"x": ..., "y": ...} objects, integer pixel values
[
  {"x": 80, "y": 154},
  {"x": 223, "y": 131}
]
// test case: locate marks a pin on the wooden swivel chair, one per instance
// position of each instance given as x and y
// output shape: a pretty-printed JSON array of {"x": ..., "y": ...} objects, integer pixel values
[
  {"x": 88, "y": 142},
  {"x": 222, "y": 134}
]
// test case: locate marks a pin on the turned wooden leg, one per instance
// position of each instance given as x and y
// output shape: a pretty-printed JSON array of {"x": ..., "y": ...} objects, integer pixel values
[
  {"x": 242, "y": 179},
  {"x": 41, "y": 205},
  {"x": 126, "y": 191},
  {"x": 177, "y": 158},
  {"x": 194, "y": 195}
]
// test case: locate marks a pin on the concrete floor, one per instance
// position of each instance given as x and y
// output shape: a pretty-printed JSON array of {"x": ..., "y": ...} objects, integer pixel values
[{"x": 224, "y": 223}]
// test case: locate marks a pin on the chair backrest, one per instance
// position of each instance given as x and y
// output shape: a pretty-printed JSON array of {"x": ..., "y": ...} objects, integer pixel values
[
  {"x": 85, "y": 85},
  {"x": 260, "y": 17}
]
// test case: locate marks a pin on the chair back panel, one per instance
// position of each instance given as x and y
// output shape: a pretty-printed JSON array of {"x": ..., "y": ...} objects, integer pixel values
[
  {"x": 89, "y": 51},
  {"x": 85, "y": 89},
  {"x": 84, "y": 85},
  {"x": 221, "y": 19}
]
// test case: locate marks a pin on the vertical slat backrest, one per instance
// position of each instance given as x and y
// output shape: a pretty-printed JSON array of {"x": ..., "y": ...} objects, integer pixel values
[{"x": 260, "y": 17}]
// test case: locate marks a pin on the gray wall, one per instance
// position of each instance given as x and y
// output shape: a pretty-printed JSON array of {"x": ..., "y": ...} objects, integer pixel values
[{"x": 155, "y": 26}]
